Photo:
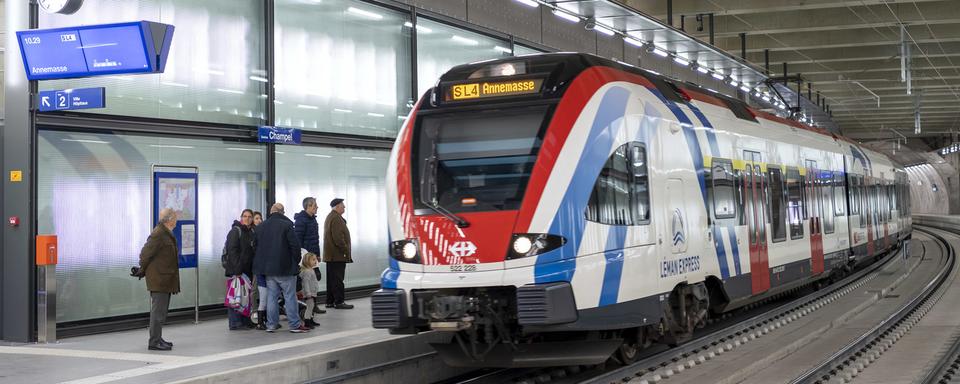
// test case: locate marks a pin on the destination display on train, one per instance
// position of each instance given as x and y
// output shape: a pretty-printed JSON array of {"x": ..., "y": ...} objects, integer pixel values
[{"x": 479, "y": 90}]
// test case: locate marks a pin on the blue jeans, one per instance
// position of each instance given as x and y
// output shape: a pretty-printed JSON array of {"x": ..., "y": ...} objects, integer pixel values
[{"x": 289, "y": 286}]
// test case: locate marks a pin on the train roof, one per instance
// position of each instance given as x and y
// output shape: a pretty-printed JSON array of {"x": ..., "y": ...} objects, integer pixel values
[{"x": 565, "y": 66}]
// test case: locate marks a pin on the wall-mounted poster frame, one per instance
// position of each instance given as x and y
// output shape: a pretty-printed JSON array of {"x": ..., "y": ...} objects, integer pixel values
[{"x": 177, "y": 187}]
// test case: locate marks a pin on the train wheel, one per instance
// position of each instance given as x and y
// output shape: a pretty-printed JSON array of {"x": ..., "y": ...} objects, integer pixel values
[
  {"x": 629, "y": 351},
  {"x": 687, "y": 310}
]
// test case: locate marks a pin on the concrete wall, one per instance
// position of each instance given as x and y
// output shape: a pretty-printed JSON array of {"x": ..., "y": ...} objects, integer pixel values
[{"x": 925, "y": 199}]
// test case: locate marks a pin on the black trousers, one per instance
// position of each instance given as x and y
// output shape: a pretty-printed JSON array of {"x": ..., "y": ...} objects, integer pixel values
[
  {"x": 335, "y": 274},
  {"x": 159, "y": 304}
]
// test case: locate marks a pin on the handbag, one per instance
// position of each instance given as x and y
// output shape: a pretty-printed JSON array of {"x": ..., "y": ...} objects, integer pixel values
[{"x": 238, "y": 297}]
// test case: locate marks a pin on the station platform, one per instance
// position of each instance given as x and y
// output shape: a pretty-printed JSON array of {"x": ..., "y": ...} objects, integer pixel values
[{"x": 341, "y": 346}]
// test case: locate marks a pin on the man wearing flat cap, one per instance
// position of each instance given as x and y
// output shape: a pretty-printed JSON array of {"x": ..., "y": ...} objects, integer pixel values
[{"x": 336, "y": 253}]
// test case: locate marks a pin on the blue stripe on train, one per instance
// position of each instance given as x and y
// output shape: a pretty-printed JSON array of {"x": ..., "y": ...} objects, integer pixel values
[
  {"x": 569, "y": 221},
  {"x": 715, "y": 152},
  {"x": 614, "y": 268},
  {"x": 693, "y": 145}
]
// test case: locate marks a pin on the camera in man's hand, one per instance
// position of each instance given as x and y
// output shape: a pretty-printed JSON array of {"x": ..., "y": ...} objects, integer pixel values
[{"x": 137, "y": 272}]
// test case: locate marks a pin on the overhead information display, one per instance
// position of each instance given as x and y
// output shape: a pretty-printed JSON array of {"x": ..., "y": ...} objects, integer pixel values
[
  {"x": 478, "y": 90},
  {"x": 92, "y": 50}
]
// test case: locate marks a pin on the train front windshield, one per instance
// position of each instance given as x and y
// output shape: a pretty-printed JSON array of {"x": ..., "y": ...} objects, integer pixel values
[{"x": 477, "y": 160}]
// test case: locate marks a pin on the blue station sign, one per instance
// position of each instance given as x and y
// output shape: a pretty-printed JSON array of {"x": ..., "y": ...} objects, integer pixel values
[
  {"x": 278, "y": 135},
  {"x": 67, "y": 99},
  {"x": 94, "y": 50}
]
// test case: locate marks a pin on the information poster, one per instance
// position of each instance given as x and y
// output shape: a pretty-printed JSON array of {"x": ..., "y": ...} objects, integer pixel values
[{"x": 176, "y": 188}]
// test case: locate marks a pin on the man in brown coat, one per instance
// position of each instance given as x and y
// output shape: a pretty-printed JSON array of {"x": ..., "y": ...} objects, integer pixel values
[
  {"x": 158, "y": 261},
  {"x": 336, "y": 254}
]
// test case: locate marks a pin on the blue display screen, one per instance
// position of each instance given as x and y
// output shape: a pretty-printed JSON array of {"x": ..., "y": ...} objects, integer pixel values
[
  {"x": 117, "y": 48},
  {"x": 93, "y": 50}
]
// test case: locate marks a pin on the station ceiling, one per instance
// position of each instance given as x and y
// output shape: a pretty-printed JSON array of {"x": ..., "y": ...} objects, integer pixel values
[{"x": 850, "y": 51}]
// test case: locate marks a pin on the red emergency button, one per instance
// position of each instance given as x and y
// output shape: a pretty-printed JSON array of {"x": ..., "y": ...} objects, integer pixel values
[{"x": 13, "y": 221}]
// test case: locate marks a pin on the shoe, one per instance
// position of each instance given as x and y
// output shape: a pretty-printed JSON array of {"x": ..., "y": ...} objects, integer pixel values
[
  {"x": 329, "y": 305},
  {"x": 262, "y": 320},
  {"x": 301, "y": 329},
  {"x": 160, "y": 347},
  {"x": 162, "y": 341},
  {"x": 319, "y": 310},
  {"x": 344, "y": 306},
  {"x": 272, "y": 330}
]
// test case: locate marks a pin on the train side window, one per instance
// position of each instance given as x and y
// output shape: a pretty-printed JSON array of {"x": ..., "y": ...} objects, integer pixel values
[
  {"x": 863, "y": 210},
  {"x": 724, "y": 193},
  {"x": 828, "y": 191},
  {"x": 777, "y": 208},
  {"x": 621, "y": 193},
  {"x": 794, "y": 203},
  {"x": 838, "y": 194}
]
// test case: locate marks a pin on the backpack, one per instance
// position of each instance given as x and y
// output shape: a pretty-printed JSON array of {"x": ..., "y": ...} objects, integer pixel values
[
  {"x": 223, "y": 252},
  {"x": 239, "y": 289}
]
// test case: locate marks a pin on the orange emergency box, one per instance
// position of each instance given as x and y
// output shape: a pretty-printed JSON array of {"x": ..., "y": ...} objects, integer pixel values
[{"x": 46, "y": 250}]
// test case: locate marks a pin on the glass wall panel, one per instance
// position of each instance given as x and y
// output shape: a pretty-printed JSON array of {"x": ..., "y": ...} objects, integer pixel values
[
  {"x": 357, "y": 176},
  {"x": 520, "y": 50},
  {"x": 441, "y": 47},
  {"x": 342, "y": 66},
  {"x": 94, "y": 193},
  {"x": 214, "y": 72}
]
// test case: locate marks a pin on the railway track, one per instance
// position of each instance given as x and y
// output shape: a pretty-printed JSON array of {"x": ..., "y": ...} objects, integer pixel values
[{"x": 725, "y": 334}]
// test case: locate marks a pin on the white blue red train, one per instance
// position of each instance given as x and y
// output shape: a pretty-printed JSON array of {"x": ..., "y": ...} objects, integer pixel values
[{"x": 565, "y": 209}]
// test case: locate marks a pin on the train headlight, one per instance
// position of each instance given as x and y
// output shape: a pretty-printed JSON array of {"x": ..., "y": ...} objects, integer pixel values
[
  {"x": 409, "y": 251},
  {"x": 405, "y": 250},
  {"x": 522, "y": 244},
  {"x": 532, "y": 244}
]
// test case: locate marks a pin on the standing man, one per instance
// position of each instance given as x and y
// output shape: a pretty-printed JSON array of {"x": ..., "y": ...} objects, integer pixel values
[
  {"x": 158, "y": 261},
  {"x": 308, "y": 232},
  {"x": 336, "y": 253},
  {"x": 278, "y": 258}
]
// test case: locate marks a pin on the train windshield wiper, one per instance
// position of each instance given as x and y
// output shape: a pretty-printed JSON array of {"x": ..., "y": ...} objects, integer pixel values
[{"x": 428, "y": 191}]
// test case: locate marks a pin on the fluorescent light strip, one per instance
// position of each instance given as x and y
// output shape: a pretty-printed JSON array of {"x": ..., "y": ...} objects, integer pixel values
[
  {"x": 342, "y": 110},
  {"x": 86, "y": 141},
  {"x": 171, "y": 146},
  {"x": 464, "y": 40},
  {"x": 734, "y": 82},
  {"x": 362, "y": 158},
  {"x": 233, "y": 91},
  {"x": 605, "y": 30},
  {"x": 245, "y": 149},
  {"x": 172, "y": 84},
  {"x": 681, "y": 61},
  {"x": 716, "y": 75},
  {"x": 317, "y": 155},
  {"x": 258, "y": 78},
  {"x": 502, "y": 49},
  {"x": 529, "y": 3},
  {"x": 566, "y": 16},
  {"x": 419, "y": 27},
  {"x": 307, "y": 106},
  {"x": 703, "y": 70},
  {"x": 634, "y": 41},
  {"x": 374, "y": 114},
  {"x": 660, "y": 52},
  {"x": 367, "y": 14},
  {"x": 745, "y": 89}
]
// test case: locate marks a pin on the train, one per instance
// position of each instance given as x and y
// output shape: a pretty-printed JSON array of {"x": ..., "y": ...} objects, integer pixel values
[{"x": 564, "y": 209}]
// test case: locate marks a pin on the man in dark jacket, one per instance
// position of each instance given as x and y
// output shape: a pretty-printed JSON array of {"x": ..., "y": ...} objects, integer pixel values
[
  {"x": 278, "y": 258},
  {"x": 308, "y": 232},
  {"x": 158, "y": 261},
  {"x": 336, "y": 253},
  {"x": 239, "y": 261}
]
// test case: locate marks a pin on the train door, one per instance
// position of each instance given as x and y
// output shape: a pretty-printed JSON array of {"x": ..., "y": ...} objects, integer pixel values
[
  {"x": 815, "y": 208},
  {"x": 755, "y": 204}
]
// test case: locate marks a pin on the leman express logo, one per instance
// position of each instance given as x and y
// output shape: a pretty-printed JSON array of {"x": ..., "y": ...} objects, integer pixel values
[
  {"x": 277, "y": 135},
  {"x": 679, "y": 238},
  {"x": 463, "y": 249}
]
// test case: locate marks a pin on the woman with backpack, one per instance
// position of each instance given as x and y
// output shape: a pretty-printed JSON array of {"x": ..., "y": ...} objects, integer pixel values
[{"x": 238, "y": 261}]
